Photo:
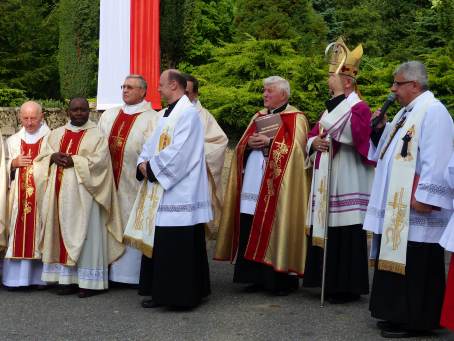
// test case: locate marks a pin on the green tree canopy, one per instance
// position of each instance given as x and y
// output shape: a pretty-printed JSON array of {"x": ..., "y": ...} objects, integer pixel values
[
  {"x": 78, "y": 47},
  {"x": 28, "y": 42}
]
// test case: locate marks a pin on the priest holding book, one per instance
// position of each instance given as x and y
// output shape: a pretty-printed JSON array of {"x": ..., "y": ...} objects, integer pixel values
[{"x": 262, "y": 223}]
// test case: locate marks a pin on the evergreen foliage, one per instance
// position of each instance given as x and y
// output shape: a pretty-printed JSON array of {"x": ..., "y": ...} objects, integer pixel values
[
  {"x": 190, "y": 29},
  {"x": 78, "y": 47},
  {"x": 231, "y": 45},
  {"x": 28, "y": 42},
  {"x": 231, "y": 83},
  {"x": 285, "y": 19},
  {"x": 12, "y": 97}
]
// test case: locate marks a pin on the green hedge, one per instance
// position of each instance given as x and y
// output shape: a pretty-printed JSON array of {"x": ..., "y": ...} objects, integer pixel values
[
  {"x": 231, "y": 83},
  {"x": 11, "y": 97}
]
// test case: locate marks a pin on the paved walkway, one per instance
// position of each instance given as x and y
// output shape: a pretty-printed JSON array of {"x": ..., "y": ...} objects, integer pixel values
[{"x": 228, "y": 314}]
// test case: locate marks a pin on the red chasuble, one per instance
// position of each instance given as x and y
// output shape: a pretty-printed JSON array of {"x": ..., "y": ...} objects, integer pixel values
[
  {"x": 69, "y": 144},
  {"x": 117, "y": 141},
  {"x": 25, "y": 229}
]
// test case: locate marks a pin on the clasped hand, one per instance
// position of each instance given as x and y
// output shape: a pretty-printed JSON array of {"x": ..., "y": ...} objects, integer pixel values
[
  {"x": 258, "y": 141},
  {"x": 320, "y": 144},
  {"x": 143, "y": 168},
  {"x": 62, "y": 160}
]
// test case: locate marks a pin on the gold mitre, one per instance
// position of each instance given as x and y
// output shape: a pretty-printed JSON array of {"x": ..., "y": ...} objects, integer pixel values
[{"x": 351, "y": 65}]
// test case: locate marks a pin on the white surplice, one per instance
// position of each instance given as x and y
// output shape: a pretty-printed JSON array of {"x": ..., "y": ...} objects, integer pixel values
[
  {"x": 434, "y": 150},
  {"x": 351, "y": 180},
  {"x": 20, "y": 272},
  {"x": 447, "y": 239},
  {"x": 181, "y": 170},
  {"x": 127, "y": 268}
]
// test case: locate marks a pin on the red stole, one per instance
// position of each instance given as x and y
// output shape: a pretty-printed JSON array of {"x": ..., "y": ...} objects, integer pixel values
[
  {"x": 24, "y": 232},
  {"x": 263, "y": 220},
  {"x": 69, "y": 144},
  {"x": 117, "y": 141}
]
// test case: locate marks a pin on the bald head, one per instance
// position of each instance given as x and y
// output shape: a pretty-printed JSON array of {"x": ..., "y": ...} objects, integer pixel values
[
  {"x": 172, "y": 85},
  {"x": 31, "y": 116}
]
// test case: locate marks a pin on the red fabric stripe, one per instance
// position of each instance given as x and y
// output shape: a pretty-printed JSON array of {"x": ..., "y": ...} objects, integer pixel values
[
  {"x": 24, "y": 232},
  {"x": 145, "y": 48},
  {"x": 266, "y": 208}
]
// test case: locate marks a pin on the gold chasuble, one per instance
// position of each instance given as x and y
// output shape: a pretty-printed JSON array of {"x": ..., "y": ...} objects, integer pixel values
[
  {"x": 277, "y": 235},
  {"x": 66, "y": 195}
]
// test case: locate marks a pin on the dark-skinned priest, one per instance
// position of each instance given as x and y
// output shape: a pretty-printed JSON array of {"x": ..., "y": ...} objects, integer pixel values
[
  {"x": 167, "y": 222},
  {"x": 262, "y": 222},
  {"x": 82, "y": 231}
]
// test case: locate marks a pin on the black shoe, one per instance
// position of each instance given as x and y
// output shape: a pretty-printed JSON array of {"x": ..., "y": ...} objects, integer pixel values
[
  {"x": 40, "y": 287},
  {"x": 341, "y": 298},
  {"x": 67, "y": 289},
  {"x": 84, "y": 293},
  {"x": 396, "y": 333},
  {"x": 149, "y": 303},
  {"x": 385, "y": 325},
  {"x": 282, "y": 292},
  {"x": 253, "y": 288}
]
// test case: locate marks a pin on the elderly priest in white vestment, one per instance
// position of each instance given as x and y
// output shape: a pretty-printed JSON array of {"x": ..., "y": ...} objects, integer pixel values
[
  {"x": 173, "y": 205},
  {"x": 409, "y": 207},
  {"x": 82, "y": 232},
  {"x": 22, "y": 265},
  {"x": 127, "y": 127}
]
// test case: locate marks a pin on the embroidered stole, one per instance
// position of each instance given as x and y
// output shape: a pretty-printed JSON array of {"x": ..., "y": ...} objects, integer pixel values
[
  {"x": 263, "y": 221},
  {"x": 337, "y": 124},
  {"x": 393, "y": 247},
  {"x": 69, "y": 144},
  {"x": 140, "y": 228},
  {"x": 117, "y": 141},
  {"x": 25, "y": 229}
]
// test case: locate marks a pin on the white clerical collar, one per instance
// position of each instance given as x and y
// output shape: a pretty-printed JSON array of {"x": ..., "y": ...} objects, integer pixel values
[
  {"x": 132, "y": 109},
  {"x": 31, "y": 138},
  {"x": 87, "y": 125},
  {"x": 422, "y": 96},
  {"x": 353, "y": 98}
]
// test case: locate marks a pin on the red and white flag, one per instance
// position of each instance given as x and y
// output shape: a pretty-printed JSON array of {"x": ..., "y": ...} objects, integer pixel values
[{"x": 128, "y": 44}]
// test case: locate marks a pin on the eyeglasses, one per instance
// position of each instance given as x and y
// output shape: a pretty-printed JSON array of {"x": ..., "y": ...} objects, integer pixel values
[
  {"x": 129, "y": 87},
  {"x": 395, "y": 83}
]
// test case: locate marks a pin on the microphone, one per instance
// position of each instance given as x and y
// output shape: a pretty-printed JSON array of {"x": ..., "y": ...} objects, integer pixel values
[{"x": 390, "y": 100}]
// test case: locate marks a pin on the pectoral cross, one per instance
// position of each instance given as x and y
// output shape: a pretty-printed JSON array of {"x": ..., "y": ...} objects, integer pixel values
[
  {"x": 397, "y": 226},
  {"x": 118, "y": 140}
]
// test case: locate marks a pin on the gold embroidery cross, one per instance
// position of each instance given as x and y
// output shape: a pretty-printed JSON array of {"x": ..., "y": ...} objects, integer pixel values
[
  {"x": 324, "y": 196},
  {"x": 398, "y": 219}
]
